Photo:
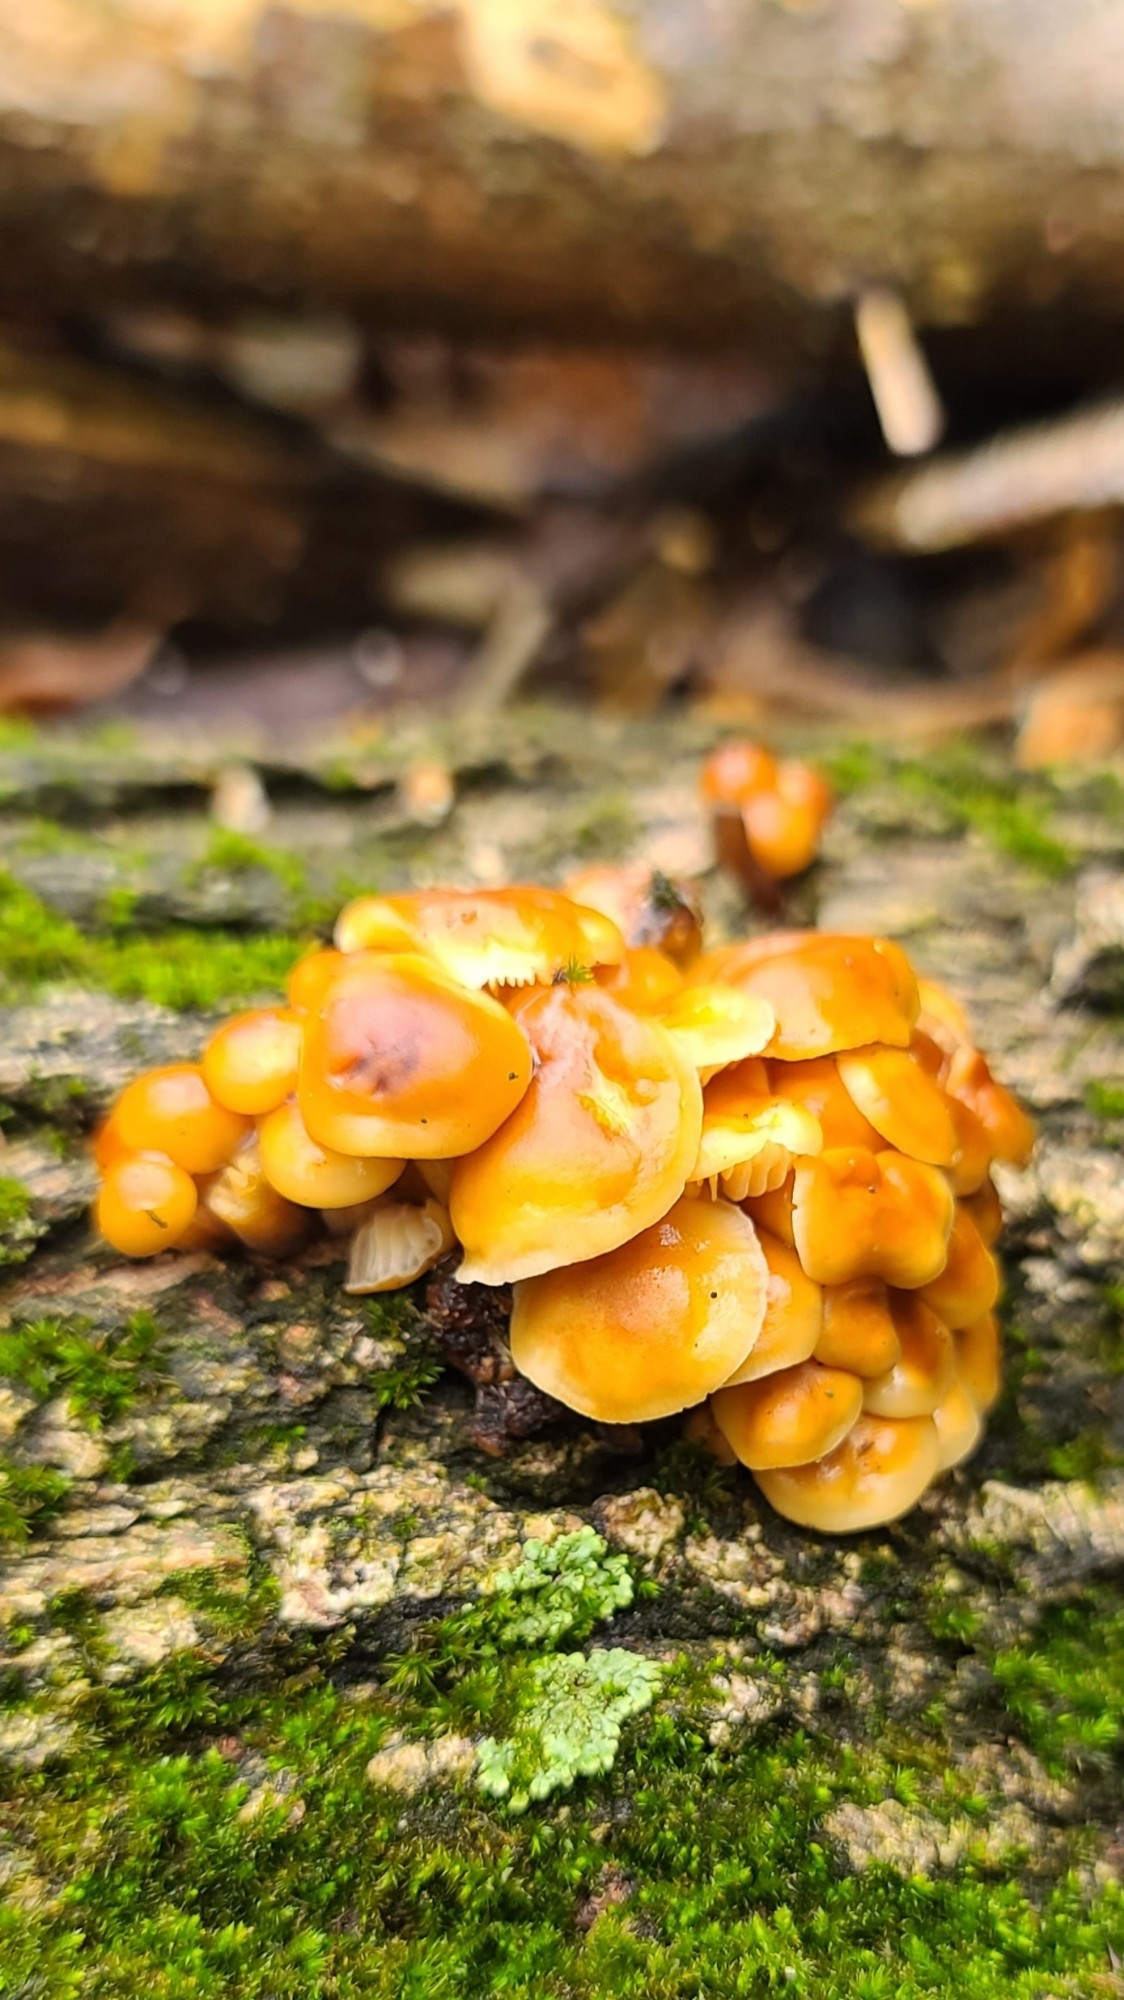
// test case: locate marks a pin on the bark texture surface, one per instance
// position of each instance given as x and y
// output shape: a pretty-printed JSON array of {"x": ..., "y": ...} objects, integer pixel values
[{"x": 233, "y": 1478}]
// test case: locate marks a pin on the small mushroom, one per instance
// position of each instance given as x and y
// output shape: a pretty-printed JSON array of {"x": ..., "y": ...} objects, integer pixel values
[
  {"x": 782, "y": 805},
  {"x": 793, "y": 1316},
  {"x": 311, "y": 978},
  {"x": 651, "y": 1327},
  {"x": 646, "y": 906},
  {"x": 959, "y": 1426},
  {"x": 171, "y": 1111},
  {"x": 484, "y": 937},
  {"x": 915, "y": 1383},
  {"x": 145, "y": 1204},
  {"x": 828, "y": 992},
  {"x": 399, "y": 1061},
  {"x": 790, "y": 1417},
  {"x": 750, "y": 1138},
  {"x": 1009, "y": 1130},
  {"x": 250, "y": 1064},
  {"x": 969, "y": 1284},
  {"x": 245, "y": 1202},
  {"x": 878, "y": 1473},
  {"x": 870, "y": 1215},
  {"x": 315, "y": 1176},
  {"x": 986, "y": 1211},
  {"x": 599, "y": 1148},
  {"x": 859, "y": 1331},
  {"x": 907, "y": 1109},
  {"x": 397, "y": 1242}
]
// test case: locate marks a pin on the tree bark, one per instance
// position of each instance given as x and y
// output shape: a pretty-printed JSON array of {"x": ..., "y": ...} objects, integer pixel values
[{"x": 700, "y": 174}]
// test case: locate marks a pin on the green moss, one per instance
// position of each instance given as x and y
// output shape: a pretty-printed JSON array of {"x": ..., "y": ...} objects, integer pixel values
[
  {"x": 169, "y": 1870},
  {"x": 229, "y": 853},
  {"x": 1065, "y": 1690},
  {"x": 1105, "y": 1100},
  {"x": 182, "y": 969},
  {"x": 606, "y": 828},
  {"x": 1012, "y": 813},
  {"x": 30, "y": 1497},
  {"x": 19, "y": 1233},
  {"x": 102, "y": 1375}
]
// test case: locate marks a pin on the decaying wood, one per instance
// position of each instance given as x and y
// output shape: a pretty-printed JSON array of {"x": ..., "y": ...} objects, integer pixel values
[{"x": 704, "y": 173}]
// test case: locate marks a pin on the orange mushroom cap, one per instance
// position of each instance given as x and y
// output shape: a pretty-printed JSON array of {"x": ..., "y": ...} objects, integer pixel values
[
  {"x": 793, "y": 1316},
  {"x": 828, "y": 992},
  {"x": 311, "y": 977},
  {"x": 790, "y": 1417},
  {"x": 399, "y": 1061},
  {"x": 651, "y": 1327},
  {"x": 700, "y": 1429},
  {"x": 816, "y": 1085},
  {"x": 735, "y": 770},
  {"x": 647, "y": 908},
  {"x": 969, "y": 1284},
  {"x": 750, "y": 1138},
  {"x": 978, "y": 1360},
  {"x": 484, "y": 937},
  {"x": 783, "y": 825},
  {"x": 643, "y": 980},
  {"x": 313, "y": 1175},
  {"x": 598, "y": 1149},
  {"x": 857, "y": 1214},
  {"x": 171, "y": 1111},
  {"x": 859, "y": 1332},
  {"x": 250, "y": 1064},
  {"x": 1010, "y": 1132},
  {"x": 145, "y": 1204},
  {"x": 986, "y": 1211},
  {"x": 879, "y": 1472},
  {"x": 919, "y": 1377},
  {"x": 907, "y": 1109},
  {"x": 941, "y": 1017},
  {"x": 959, "y": 1426}
]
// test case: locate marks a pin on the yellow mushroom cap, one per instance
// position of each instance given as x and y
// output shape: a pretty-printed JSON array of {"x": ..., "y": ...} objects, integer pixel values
[
  {"x": 942, "y": 1017},
  {"x": 959, "y": 1426},
  {"x": 651, "y": 1327},
  {"x": 750, "y": 1138},
  {"x": 978, "y": 1360},
  {"x": 879, "y": 1472},
  {"x": 315, "y": 1176},
  {"x": 484, "y": 937},
  {"x": 790, "y": 1417},
  {"x": 907, "y": 1109},
  {"x": 401, "y": 1062},
  {"x": 600, "y": 1147},
  {"x": 793, "y": 1315},
  {"x": 918, "y": 1379},
  {"x": 827, "y": 992},
  {"x": 716, "y": 1025},
  {"x": 858, "y": 1328},
  {"x": 969, "y": 1284},
  {"x": 870, "y": 1215}
]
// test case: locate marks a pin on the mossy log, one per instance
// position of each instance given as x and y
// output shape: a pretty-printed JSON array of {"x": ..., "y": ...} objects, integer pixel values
[
  {"x": 702, "y": 174},
  {"x": 307, "y": 1695}
]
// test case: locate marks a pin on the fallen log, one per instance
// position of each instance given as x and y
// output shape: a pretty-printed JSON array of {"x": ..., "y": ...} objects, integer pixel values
[{"x": 699, "y": 174}]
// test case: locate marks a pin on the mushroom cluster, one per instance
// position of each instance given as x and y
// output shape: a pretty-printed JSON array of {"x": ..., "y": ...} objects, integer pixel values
[{"x": 751, "y": 1184}]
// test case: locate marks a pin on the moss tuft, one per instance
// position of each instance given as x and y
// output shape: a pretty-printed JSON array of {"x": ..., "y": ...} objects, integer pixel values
[
  {"x": 30, "y": 1497},
  {"x": 19, "y": 1232},
  {"x": 101, "y": 1375}
]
